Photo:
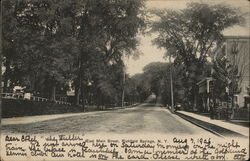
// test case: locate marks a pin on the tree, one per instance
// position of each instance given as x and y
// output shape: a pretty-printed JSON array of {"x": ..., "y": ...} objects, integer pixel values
[
  {"x": 1, "y": 59},
  {"x": 49, "y": 43},
  {"x": 9, "y": 26},
  {"x": 32, "y": 44},
  {"x": 111, "y": 28},
  {"x": 156, "y": 79},
  {"x": 38, "y": 47},
  {"x": 156, "y": 73},
  {"x": 190, "y": 34},
  {"x": 142, "y": 86}
]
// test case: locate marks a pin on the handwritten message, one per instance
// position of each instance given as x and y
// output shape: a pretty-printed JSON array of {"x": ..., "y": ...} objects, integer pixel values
[{"x": 80, "y": 147}]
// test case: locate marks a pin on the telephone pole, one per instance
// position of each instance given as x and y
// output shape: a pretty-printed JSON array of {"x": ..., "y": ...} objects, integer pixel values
[
  {"x": 123, "y": 80},
  {"x": 171, "y": 86},
  {"x": 123, "y": 84}
]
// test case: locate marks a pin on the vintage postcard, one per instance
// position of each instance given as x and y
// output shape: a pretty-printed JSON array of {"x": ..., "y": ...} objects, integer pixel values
[{"x": 124, "y": 80}]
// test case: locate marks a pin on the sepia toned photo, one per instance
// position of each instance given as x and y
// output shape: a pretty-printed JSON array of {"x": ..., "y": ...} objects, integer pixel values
[{"x": 124, "y": 80}]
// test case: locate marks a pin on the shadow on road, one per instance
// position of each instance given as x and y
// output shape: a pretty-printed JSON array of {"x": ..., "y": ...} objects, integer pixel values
[
  {"x": 151, "y": 105},
  {"x": 147, "y": 104}
]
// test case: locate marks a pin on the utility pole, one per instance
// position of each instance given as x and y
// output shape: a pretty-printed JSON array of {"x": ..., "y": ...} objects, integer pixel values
[
  {"x": 123, "y": 81},
  {"x": 171, "y": 86},
  {"x": 123, "y": 93}
]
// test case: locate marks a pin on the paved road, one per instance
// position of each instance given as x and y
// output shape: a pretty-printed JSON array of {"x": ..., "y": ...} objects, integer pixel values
[{"x": 143, "y": 119}]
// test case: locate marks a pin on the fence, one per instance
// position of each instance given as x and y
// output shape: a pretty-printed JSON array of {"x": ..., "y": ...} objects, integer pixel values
[{"x": 32, "y": 98}]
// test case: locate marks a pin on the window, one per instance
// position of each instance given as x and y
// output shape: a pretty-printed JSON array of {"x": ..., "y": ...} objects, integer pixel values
[
  {"x": 247, "y": 101},
  {"x": 236, "y": 99}
]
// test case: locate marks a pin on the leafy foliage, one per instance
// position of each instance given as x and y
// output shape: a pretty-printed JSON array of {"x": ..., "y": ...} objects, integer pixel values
[
  {"x": 190, "y": 36},
  {"x": 156, "y": 79},
  {"x": 49, "y": 43}
]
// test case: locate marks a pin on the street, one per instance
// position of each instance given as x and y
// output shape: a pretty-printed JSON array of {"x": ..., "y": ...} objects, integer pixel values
[{"x": 143, "y": 119}]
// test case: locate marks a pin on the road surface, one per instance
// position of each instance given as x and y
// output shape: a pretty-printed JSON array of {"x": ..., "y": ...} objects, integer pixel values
[{"x": 143, "y": 119}]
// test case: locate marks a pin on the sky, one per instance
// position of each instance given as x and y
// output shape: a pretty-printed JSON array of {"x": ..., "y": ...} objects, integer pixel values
[{"x": 153, "y": 54}]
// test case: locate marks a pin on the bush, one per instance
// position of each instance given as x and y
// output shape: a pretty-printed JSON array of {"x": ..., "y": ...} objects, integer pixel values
[{"x": 241, "y": 114}]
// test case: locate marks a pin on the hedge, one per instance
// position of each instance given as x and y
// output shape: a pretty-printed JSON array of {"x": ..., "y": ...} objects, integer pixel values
[{"x": 18, "y": 108}]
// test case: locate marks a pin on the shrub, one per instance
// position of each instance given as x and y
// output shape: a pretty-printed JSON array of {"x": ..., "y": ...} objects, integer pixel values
[{"x": 18, "y": 108}]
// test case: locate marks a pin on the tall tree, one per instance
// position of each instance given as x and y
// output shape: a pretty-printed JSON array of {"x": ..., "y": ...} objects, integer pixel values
[
  {"x": 190, "y": 34},
  {"x": 49, "y": 43},
  {"x": 40, "y": 41},
  {"x": 111, "y": 28}
]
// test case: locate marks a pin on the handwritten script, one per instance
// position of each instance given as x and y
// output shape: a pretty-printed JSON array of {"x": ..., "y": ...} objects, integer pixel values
[{"x": 80, "y": 147}]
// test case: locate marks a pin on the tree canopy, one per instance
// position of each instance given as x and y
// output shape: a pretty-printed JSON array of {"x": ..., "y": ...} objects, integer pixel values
[
  {"x": 50, "y": 43},
  {"x": 189, "y": 34}
]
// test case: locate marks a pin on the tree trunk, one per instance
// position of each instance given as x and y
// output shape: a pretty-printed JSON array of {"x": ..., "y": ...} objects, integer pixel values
[
  {"x": 195, "y": 98},
  {"x": 79, "y": 82},
  {"x": 83, "y": 98},
  {"x": 1, "y": 60},
  {"x": 53, "y": 93},
  {"x": 232, "y": 106},
  {"x": 6, "y": 75},
  {"x": 77, "y": 96}
]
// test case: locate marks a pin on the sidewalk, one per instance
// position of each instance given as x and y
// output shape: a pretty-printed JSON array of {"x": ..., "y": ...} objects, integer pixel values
[{"x": 219, "y": 127}]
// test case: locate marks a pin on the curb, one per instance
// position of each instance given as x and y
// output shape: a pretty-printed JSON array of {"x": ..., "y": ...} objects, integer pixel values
[{"x": 215, "y": 129}]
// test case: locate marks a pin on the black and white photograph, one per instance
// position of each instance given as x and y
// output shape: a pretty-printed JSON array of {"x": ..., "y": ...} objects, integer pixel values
[{"x": 124, "y": 80}]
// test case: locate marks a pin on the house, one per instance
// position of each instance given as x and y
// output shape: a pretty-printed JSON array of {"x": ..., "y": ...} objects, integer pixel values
[{"x": 205, "y": 90}]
